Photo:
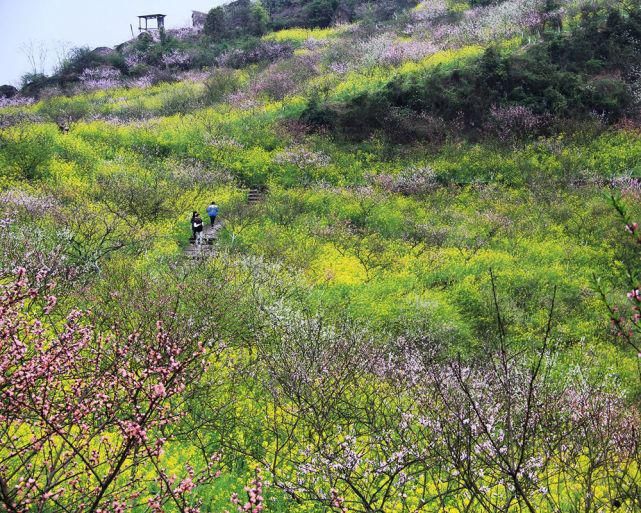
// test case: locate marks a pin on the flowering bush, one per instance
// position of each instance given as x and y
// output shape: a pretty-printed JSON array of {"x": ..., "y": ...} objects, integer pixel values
[
  {"x": 625, "y": 318},
  {"x": 387, "y": 50},
  {"x": 134, "y": 59},
  {"x": 276, "y": 84},
  {"x": 91, "y": 408},
  {"x": 27, "y": 244},
  {"x": 268, "y": 51},
  {"x": 402, "y": 51},
  {"x": 141, "y": 82},
  {"x": 416, "y": 181},
  {"x": 255, "y": 499},
  {"x": 10, "y": 119},
  {"x": 302, "y": 157},
  {"x": 33, "y": 205},
  {"x": 183, "y": 33},
  {"x": 100, "y": 78},
  {"x": 629, "y": 187},
  {"x": 176, "y": 59},
  {"x": 16, "y": 101},
  {"x": 242, "y": 100},
  {"x": 340, "y": 68},
  {"x": 365, "y": 426},
  {"x": 425, "y": 14},
  {"x": 195, "y": 174},
  {"x": 193, "y": 75},
  {"x": 514, "y": 122}
]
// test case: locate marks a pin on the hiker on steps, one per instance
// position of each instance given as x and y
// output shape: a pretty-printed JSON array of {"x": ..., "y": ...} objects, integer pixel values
[
  {"x": 191, "y": 223},
  {"x": 197, "y": 227},
  {"x": 212, "y": 212}
]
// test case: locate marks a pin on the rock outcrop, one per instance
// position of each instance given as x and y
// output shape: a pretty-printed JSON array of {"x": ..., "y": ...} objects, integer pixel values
[{"x": 8, "y": 91}]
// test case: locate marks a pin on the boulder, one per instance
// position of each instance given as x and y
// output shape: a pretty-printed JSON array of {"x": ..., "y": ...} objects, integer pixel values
[
  {"x": 8, "y": 91},
  {"x": 103, "y": 51}
]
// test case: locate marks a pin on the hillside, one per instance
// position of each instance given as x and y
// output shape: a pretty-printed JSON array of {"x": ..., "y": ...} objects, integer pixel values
[{"x": 422, "y": 287}]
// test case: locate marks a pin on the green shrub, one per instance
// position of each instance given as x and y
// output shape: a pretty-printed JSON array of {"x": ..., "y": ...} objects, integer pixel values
[
  {"x": 178, "y": 101},
  {"x": 566, "y": 76},
  {"x": 236, "y": 19},
  {"x": 24, "y": 150},
  {"x": 221, "y": 83},
  {"x": 319, "y": 13}
]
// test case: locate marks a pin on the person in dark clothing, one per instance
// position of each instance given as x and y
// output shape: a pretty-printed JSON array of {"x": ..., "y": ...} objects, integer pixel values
[
  {"x": 197, "y": 228},
  {"x": 191, "y": 223}
]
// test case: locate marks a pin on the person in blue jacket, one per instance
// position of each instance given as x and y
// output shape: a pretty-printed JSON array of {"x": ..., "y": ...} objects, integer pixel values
[{"x": 212, "y": 212}]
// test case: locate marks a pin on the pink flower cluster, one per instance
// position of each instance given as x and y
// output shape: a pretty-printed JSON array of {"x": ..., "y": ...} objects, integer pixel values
[
  {"x": 100, "y": 78},
  {"x": 193, "y": 75},
  {"x": 628, "y": 186},
  {"x": 140, "y": 82},
  {"x": 340, "y": 68},
  {"x": 16, "y": 101},
  {"x": 95, "y": 400},
  {"x": 134, "y": 431},
  {"x": 276, "y": 84},
  {"x": 255, "y": 500},
  {"x": 31, "y": 204},
  {"x": 399, "y": 52},
  {"x": 413, "y": 181},
  {"x": 266, "y": 51},
  {"x": 302, "y": 157},
  {"x": 513, "y": 122},
  {"x": 426, "y": 13},
  {"x": 176, "y": 59},
  {"x": 183, "y": 33},
  {"x": 336, "y": 501},
  {"x": 134, "y": 59},
  {"x": 242, "y": 100}
]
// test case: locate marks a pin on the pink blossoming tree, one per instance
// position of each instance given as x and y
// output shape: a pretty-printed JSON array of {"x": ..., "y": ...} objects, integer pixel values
[{"x": 85, "y": 415}]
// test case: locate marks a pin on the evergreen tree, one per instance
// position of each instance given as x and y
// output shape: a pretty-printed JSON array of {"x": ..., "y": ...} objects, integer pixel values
[
  {"x": 215, "y": 26},
  {"x": 259, "y": 19}
]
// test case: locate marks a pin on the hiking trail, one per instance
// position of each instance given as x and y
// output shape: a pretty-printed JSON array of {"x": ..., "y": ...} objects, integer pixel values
[{"x": 207, "y": 248}]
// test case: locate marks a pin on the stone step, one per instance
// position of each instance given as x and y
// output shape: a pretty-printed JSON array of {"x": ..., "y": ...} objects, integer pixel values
[
  {"x": 207, "y": 249},
  {"x": 255, "y": 195}
]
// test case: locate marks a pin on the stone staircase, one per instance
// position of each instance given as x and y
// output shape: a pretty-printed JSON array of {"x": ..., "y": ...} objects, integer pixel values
[
  {"x": 256, "y": 195},
  {"x": 207, "y": 249}
]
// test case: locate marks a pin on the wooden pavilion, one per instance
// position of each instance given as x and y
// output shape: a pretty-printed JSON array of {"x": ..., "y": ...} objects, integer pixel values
[{"x": 160, "y": 22}]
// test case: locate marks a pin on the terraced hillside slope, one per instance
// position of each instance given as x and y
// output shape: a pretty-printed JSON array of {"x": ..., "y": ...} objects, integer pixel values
[{"x": 429, "y": 304}]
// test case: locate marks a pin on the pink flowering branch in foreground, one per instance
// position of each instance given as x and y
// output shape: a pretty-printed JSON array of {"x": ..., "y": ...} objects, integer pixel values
[
  {"x": 255, "y": 499},
  {"x": 85, "y": 416},
  {"x": 625, "y": 319}
]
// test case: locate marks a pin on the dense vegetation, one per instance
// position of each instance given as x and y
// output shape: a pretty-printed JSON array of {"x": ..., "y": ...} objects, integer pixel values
[
  {"x": 434, "y": 308},
  {"x": 584, "y": 72},
  {"x": 323, "y": 13}
]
